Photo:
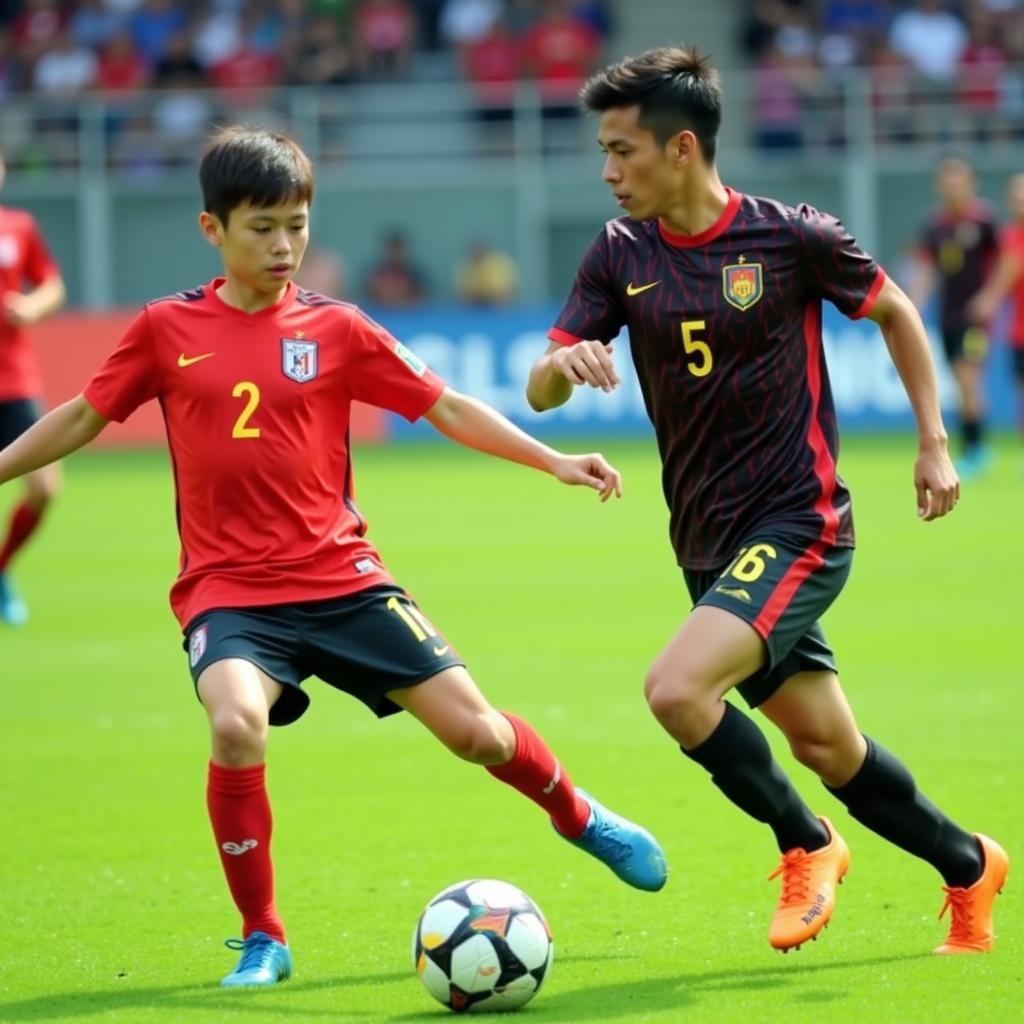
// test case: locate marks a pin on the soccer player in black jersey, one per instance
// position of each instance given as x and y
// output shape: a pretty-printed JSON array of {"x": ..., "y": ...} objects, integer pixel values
[
  {"x": 721, "y": 293},
  {"x": 958, "y": 249}
]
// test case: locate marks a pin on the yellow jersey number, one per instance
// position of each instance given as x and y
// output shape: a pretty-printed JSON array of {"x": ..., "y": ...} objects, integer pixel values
[
  {"x": 749, "y": 563},
  {"x": 701, "y": 362},
  {"x": 249, "y": 391}
]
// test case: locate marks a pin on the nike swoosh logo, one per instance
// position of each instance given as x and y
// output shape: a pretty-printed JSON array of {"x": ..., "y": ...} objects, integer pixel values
[
  {"x": 439, "y": 651},
  {"x": 635, "y": 289},
  {"x": 738, "y": 592},
  {"x": 184, "y": 360}
]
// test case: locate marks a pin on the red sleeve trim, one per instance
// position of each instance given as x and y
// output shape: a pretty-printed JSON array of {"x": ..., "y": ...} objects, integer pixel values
[
  {"x": 869, "y": 300},
  {"x": 560, "y": 337},
  {"x": 89, "y": 394}
]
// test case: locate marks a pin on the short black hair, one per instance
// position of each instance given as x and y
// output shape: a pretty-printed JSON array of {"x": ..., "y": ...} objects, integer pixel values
[
  {"x": 675, "y": 88},
  {"x": 242, "y": 164}
]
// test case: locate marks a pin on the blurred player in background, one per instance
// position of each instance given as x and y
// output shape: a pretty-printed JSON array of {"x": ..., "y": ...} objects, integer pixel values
[
  {"x": 278, "y": 582},
  {"x": 722, "y": 293},
  {"x": 24, "y": 261},
  {"x": 1008, "y": 280},
  {"x": 957, "y": 250}
]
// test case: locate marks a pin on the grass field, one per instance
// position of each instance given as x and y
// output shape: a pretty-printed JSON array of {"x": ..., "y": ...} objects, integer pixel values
[{"x": 112, "y": 904}]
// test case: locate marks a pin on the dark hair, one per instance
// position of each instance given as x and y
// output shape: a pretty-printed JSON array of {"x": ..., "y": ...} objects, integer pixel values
[
  {"x": 255, "y": 165},
  {"x": 675, "y": 88}
]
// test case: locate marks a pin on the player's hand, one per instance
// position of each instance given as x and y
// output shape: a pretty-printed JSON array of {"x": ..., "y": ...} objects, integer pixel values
[
  {"x": 938, "y": 487},
  {"x": 981, "y": 309},
  {"x": 590, "y": 471},
  {"x": 16, "y": 310},
  {"x": 587, "y": 362}
]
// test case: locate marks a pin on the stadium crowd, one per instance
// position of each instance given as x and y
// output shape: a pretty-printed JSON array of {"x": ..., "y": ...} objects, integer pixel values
[{"x": 939, "y": 70}]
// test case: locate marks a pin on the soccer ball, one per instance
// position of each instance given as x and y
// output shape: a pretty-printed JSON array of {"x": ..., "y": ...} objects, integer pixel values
[{"x": 482, "y": 945}]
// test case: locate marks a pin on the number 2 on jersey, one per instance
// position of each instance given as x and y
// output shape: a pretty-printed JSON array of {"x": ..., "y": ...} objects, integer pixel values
[
  {"x": 246, "y": 389},
  {"x": 700, "y": 365}
]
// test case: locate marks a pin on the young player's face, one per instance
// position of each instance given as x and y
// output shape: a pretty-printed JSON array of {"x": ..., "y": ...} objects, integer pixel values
[
  {"x": 644, "y": 176},
  {"x": 262, "y": 246},
  {"x": 956, "y": 184}
]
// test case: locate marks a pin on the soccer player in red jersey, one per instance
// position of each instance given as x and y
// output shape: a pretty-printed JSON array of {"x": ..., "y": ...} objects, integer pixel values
[
  {"x": 278, "y": 579},
  {"x": 958, "y": 248},
  {"x": 1008, "y": 280},
  {"x": 24, "y": 259},
  {"x": 721, "y": 293}
]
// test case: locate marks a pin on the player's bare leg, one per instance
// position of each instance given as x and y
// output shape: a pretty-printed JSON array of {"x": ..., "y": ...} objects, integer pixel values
[
  {"x": 878, "y": 790},
  {"x": 452, "y": 707},
  {"x": 711, "y": 653},
  {"x": 238, "y": 697},
  {"x": 41, "y": 487}
]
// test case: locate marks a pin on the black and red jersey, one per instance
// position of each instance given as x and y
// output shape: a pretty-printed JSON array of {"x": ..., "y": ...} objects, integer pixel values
[{"x": 725, "y": 333}]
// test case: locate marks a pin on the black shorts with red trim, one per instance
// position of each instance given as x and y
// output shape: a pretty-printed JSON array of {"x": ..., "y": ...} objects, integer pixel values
[
  {"x": 16, "y": 416},
  {"x": 781, "y": 586},
  {"x": 364, "y": 644}
]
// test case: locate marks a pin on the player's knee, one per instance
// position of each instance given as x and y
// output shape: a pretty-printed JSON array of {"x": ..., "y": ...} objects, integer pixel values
[
  {"x": 238, "y": 733},
  {"x": 483, "y": 740},
  {"x": 827, "y": 755},
  {"x": 674, "y": 697},
  {"x": 42, "y": 489}
]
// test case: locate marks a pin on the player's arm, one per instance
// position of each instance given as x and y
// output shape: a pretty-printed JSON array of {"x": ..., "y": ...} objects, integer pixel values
[
  {"x": 24, "y": 309},
  {"x": 60, "y": 432},
  {"x": 563, "y": 367},
  {"x": 476, "y": 425},
  {"x": 984, "y": 305},
  {"x": 934, "y": 477}
]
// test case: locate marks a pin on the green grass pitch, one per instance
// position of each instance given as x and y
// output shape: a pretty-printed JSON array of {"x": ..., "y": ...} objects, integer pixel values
[{"x": 112, "y": 904}]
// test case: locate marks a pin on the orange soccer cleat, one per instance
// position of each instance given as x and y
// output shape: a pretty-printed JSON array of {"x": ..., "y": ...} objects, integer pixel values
[
  {"x": 971, "y": 908},
  {"x": 808, "y": 890}
]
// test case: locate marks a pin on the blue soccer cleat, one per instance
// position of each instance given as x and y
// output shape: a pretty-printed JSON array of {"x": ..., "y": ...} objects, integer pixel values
[
  {"x": 13, "y": 610},
  {"x": 264, "y": 961},
  {"x": 629, "y": 850}
]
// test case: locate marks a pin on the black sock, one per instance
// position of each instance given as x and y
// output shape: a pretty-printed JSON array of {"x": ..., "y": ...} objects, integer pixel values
[
  {"x": 972, "y": 430},
  {"x": 741, "y": 765},
  {"x": 884, "y": 796}
]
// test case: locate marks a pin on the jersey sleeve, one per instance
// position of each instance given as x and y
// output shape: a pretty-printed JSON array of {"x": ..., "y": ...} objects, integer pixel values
[
  {"x": 39, "y": 265},
  {"x": 593, "y": 310},
  {"x": 384, "y": 373},
  {"x": 128, "y": 378},
  {"x": 835, "y": 267}
]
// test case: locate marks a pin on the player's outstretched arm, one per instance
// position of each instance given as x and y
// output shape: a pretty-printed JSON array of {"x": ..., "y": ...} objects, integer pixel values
[
  {"x": 983, "y": 307},
  {"x": 935, "y": 480},
  {"x": 57, "y": 434},
  {"x": 476, "y": 425},
  {"x": 23, "y": 310},
  {"x": 564, "y": 367}
]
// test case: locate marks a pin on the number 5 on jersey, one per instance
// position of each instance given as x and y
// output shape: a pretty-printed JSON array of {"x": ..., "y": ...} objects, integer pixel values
[{"x": 700, "y": 364}]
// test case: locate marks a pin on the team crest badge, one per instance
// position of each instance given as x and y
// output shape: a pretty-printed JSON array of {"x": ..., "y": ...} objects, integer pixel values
[
  {"x": 196, "y": 646},
  {"x": 298, "y": 359},
  {"x": 742, "y": 284}
]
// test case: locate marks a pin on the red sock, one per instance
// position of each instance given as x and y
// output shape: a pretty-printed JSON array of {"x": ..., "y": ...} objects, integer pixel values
[
  {"x": 24, "y": 520},
  {"x": 536, "y": 773},
  {"x": 240, "y": 815}
]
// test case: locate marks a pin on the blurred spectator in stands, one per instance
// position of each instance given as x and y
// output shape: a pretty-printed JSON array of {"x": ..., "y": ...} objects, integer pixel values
[
  {"x": 136, "y": 151},
  {"x": 931, "y": 38},
  {"x": 394, "y": 280},
  {"x": 253, "y": 65},
  {"x": 892, "y": 95},
  {"x": 65, "y": 68},
  {"x": 428, "y": 21},
  {"x": 121, "y": 67},
  {"x": 178, "y": 67},
  {"x": 851, "y": 30},
  {"x": 983, "y": 63},
  {"x": 487, "y": 277},
  {"x": 492, "y": 65},
  {"x": 319, "y": 56},
  {"x": 10, "y": 72},
  {"x": 595, "y": 13},
  {"x": 152, "y": 25},
  {"x": 217, "y": 33},
  {"x": 93, "y": 23},
  {"x": 782, "y": 77},
  {"x": 522, "y": 15},
  {"x": 767, "y": 17},
  {"x": 383, "y": 37},
  {"x": 466, "y": 21},
  {"x": 560, "y": 52},
  {"x": 37, "y": 28},
  {"x": 323, "y": 272}
]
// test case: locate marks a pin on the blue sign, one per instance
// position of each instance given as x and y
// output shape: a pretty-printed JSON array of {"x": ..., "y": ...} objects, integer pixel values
[{"x": 488, "y": 354}]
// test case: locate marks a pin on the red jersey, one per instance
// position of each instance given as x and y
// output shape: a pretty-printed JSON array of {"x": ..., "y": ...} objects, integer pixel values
[
  {"x": 256, "y": 408},
  {"x": 1012, "y": 245},
  {"x": 24, "y": 258}
]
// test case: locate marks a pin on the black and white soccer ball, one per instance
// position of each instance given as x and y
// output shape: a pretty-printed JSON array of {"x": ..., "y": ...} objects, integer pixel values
[{"x": 482, "y": 945}]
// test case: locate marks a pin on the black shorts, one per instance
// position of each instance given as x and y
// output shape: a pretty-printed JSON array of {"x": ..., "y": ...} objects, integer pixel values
[
  {"x": 1018, "y": 363},
  {"x": 365, "y": 644},
  {"x": 16, "y": 416},
  {"x": 781, "y": 586},
  {"x": 969, "y": 344}
]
